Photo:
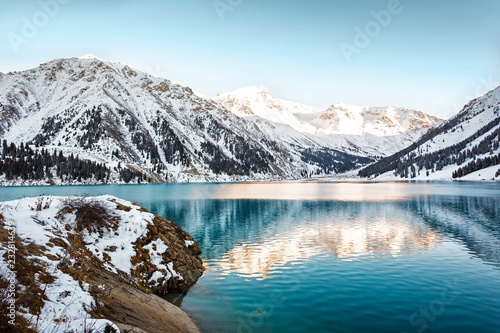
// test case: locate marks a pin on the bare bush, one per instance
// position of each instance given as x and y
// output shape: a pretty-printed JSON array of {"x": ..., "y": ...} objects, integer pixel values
[
  {"x": 42, "y": 202},
  {"x": 90, "y": 214}
]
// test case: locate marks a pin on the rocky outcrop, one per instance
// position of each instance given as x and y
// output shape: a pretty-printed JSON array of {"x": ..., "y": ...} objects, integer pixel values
[
  {"x": 96, "y": 262},
  {"x": 181, "y": 250},
  {"x": 133, "y": 310}
]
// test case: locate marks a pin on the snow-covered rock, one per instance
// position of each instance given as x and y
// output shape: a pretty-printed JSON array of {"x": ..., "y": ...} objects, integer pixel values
[{"x": 73, "y": 252}]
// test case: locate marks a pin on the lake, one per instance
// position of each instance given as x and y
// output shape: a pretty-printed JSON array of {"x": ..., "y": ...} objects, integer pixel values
[{"x": 332, "y": 256}]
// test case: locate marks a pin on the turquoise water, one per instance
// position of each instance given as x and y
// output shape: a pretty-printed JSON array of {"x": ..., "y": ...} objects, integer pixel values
[{"x": 333, "y": 257}]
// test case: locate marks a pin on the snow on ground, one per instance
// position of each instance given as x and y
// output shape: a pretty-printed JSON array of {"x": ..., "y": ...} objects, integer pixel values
[
  {"x": 446, "y": 174},
  {"x": 67, "y": 300}
]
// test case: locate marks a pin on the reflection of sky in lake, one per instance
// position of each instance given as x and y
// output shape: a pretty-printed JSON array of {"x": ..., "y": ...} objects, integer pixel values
[{"x": 338, "y": 191}]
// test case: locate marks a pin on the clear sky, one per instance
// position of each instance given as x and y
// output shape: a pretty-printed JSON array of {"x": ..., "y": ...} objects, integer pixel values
[{"x": 428, "y": 55}]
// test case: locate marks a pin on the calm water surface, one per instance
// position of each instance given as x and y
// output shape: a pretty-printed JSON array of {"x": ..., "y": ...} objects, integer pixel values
[{"x": 333, "y": 257}]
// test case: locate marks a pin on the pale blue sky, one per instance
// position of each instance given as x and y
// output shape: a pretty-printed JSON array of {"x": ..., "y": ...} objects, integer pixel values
[{"x": 432, "y": 55}]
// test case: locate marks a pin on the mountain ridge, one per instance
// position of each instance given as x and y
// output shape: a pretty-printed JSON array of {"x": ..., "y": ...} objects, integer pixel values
[
  {"x": 143, "y": 128},
  {"x": 464, "y": 147},
  {"x": 111, "y": 113},
  {"x": 340, "y": 126}
]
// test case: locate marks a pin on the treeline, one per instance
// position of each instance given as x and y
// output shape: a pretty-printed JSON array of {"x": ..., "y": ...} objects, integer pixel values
[
  {"x": 330, "y": 160},
  {"x": 127, "y": 175},
  {"x": 23, "y": 163},
  {"x": 408, "y": 163},
  {"x": 476, "y": 165}
]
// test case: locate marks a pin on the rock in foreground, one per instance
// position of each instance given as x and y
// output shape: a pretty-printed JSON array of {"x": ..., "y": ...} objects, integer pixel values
[{"x": 95, "y": 263}]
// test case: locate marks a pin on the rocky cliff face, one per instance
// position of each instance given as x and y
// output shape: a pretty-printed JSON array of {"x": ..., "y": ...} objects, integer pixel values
[{"x": 77, "y": 255}]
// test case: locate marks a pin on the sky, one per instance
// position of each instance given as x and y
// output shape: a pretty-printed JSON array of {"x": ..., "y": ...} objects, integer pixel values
[{"x": 432, "y": 56}]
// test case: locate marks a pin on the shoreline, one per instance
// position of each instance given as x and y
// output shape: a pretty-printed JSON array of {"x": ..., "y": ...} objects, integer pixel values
[{"x": 326, "y": 179}]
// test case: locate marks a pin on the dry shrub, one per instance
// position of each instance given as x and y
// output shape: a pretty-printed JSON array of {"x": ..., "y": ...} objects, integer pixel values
[
  {"x": 119, "y": 206},
  {"x": 47, "y": 203},
  {"x": 42, "y": 202},
  {"x": 32, "y": 278},
  {"x": 21, "y": 324},
  {"x": 33, "y": 274},
  {"x": 90, "y": 214}
]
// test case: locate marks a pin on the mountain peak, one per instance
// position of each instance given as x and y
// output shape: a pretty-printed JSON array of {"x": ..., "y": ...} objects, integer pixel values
[
  {"x": 250, "y": 91},
  {"x": 337, "y": 119},
  {"x": 90, "y": 56}
]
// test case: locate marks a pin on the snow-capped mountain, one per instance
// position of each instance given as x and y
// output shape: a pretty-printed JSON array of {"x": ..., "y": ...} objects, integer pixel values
[
  {"x": 114, "y": 114},
  {"x": 373, "y": 131},
  {"x": 466, "y": 146}
]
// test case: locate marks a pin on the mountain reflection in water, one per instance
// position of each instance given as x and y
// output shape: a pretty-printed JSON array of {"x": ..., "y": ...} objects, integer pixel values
[
  {"x": 346, "y": 240},
  {"x": 257, "y": 238}
]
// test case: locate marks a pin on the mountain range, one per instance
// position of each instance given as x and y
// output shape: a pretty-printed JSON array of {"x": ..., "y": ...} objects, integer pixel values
[
  {"x": 369, "y": 131},
  {"x": 464, "y": 147},
  {"x": 137, "y": 127}
]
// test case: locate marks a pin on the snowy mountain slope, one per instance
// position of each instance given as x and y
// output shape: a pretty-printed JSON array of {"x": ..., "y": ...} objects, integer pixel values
[
  {"x": 464, "y": 147},
  {"x": 111, "y": 113},
  {"x": 373, "y": 131}
]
